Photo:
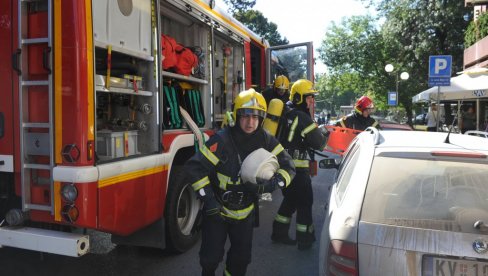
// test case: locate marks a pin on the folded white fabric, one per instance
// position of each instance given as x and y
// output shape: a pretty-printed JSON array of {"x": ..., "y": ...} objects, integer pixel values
[{"x": 259, "y": 164}]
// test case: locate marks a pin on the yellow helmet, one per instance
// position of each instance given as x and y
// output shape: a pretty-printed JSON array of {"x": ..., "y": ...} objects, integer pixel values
[
  {"x": 282, "y": 82},
  {"x": 301, "y": 88},
  {"x": 249, "y": 102}
]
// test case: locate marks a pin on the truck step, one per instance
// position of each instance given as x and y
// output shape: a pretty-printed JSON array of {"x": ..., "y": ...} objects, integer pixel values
[
  {"x": 35, "y": 83},
  {"x": 49, "y": 241},
  {"x": 35, "y": 40}
]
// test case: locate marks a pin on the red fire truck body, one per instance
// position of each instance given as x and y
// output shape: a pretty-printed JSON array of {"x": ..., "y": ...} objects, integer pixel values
[{"x": 93, "y": 131}]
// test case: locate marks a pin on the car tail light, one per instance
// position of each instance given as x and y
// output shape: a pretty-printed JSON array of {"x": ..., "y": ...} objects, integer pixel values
[{"x": 342, "y": 258}]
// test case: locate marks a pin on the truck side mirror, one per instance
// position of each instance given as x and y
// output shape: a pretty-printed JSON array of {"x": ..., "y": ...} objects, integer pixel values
[{"x": 329, "y": 163}]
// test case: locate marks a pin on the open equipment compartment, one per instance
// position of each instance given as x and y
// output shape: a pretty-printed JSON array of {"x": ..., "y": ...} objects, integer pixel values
[
  {"x": 126, "y": 82},
  {"x": 191, "y": 39}
]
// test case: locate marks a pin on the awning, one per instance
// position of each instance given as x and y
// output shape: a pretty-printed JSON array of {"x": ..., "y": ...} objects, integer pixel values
[{"x": 471, "y": 84}]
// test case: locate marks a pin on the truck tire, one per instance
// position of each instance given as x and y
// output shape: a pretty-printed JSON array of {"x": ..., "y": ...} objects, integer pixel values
[{"x": 182, "y": 207}]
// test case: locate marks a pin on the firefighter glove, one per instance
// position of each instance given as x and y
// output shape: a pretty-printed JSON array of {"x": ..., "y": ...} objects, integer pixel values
[
  {"x": 263, "y": 186},
  {"x": 279, "y": 181}
]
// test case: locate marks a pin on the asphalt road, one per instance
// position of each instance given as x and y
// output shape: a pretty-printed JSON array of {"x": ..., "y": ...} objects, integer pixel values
[{"x": 267, "y": 258}]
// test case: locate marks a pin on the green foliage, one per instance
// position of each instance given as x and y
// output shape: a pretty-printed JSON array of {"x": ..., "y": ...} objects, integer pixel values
[
  {"x": 293, "y": 60},
  {"x": 412, "y": 31},
  {"x": 239, "y": 5},
  {"x": 259, "y": 24},
  {"x": 476, "y": 30},
  {"x": 353, "y": 52}
]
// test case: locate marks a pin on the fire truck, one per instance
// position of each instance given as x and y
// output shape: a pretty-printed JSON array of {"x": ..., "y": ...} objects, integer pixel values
[{"x": 95, "y": 128}]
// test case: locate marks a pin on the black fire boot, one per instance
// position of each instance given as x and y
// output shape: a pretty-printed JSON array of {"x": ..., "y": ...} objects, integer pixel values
[
  {"x": 280, "y": 233},
  {"x": 305, "y": 236}
]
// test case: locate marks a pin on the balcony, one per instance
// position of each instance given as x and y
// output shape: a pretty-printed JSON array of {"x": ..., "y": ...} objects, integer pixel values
[
  {"x": 475, "y": 2},
  {"x": 477, "y": 54}
]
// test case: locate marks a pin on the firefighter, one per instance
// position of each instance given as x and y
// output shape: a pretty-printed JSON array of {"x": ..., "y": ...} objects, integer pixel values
[
  {"x": 279, "y": 90},
  {"x": 229, "y": 206},
  {"x": 299, "y": 136},
  {"x": 360, "y": 119}
]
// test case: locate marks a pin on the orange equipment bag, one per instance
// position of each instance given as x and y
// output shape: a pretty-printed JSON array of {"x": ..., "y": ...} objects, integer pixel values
[
  {"x": 186, "y": 60},
  {"x": 340, "y": 138},
  {"x": 169, "y": 51}
]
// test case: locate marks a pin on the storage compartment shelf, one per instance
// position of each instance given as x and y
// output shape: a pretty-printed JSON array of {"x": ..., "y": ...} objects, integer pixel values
[
  {"x": 120, "y": 85},
  {"x": 125, "y": 51},
  {"x": 182, "y": 77},
  {"x": 123, "y": 91}
]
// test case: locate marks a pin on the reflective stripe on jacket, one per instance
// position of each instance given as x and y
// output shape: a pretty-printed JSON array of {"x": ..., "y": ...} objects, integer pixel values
[{"x": 217, "y": 167}]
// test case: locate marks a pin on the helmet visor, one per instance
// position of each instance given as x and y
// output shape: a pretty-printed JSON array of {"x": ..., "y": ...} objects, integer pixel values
[
  {"x": 249, "y": 112},
  {"x": 370, "y": 108}
]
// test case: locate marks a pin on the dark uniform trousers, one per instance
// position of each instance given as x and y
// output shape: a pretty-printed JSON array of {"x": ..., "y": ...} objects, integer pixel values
[
  {"x": 214, "y": 234},
  {"x": 299, "y": 197}
]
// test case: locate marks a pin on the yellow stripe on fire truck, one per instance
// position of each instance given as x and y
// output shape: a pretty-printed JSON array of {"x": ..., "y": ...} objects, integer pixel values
[{"x": 129, "y": 176}]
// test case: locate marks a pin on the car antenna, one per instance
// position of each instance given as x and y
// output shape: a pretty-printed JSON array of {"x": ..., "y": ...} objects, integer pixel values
[
  {"x": 450, "y": 129},
  {"x": 452, "y": 124}
]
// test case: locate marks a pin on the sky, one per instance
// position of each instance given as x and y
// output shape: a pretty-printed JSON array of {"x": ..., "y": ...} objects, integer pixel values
[{"x": 307, "y": 20}]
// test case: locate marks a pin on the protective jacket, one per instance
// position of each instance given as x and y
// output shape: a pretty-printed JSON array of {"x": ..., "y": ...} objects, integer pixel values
[
  {"x": 357, "y": 121},
  {"x": 270, "y": 94},
  {"x": 300, "y": 133},
  {"x": 216, "y": 168}
]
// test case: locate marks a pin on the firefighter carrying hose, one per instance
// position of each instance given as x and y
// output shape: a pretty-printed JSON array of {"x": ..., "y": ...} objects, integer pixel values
[
  {"x": 230, "y": 204},
  {"x": 279, "y": 90},
  {"x": 299, "y": 136},
  {"x": 360, "y": 119}
]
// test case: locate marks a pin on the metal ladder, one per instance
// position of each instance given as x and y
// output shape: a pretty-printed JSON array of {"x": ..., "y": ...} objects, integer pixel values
[{"x": 37, "y": 138}]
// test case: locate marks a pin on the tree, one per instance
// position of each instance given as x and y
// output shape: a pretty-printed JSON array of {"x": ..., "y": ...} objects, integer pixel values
[
  {"x": 415, "y": 30},
  {"x": 259, "y": 24},
  {"x": 335, "y": 91},
  {"x": 255, "y": 20},
  {"x": 354, "y": 55},
  {"x": 239, "y": 5},
  {"x": 412, "y": 31}
]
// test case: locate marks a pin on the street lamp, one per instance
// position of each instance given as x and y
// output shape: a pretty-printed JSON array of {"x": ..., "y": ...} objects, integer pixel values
[{"x": 403, "y": 76}]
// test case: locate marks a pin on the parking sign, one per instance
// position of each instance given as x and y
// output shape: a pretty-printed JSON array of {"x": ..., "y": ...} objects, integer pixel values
[
  {"x": 392, "y": 98},
  {"x": 440, "y": 70}
]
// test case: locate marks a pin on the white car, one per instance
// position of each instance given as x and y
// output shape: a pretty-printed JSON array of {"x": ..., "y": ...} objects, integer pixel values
[
  {"x": 408, "y": 203},
  {"x": 478, "y": 133}
]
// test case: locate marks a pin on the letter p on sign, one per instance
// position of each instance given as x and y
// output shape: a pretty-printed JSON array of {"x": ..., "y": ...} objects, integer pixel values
[{"x": 440, "y": 64}]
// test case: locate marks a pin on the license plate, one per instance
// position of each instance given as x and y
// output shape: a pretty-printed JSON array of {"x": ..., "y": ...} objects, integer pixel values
[{"x": 442, "y": 266}]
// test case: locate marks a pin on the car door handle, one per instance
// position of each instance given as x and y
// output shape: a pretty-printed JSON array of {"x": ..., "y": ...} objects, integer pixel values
[{"x": 480, "y": 225}]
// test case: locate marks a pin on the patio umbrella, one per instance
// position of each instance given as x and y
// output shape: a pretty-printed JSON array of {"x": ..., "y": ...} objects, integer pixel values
[{"x": 470, "y": 84}]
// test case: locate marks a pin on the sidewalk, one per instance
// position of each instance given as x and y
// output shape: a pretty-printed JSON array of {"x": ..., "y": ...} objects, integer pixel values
[{"x": 420, "y": 127}]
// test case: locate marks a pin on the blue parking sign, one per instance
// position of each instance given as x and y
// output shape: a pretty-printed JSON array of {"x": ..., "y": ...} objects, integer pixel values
[
  {"x": 440, "y": 70},
  {"x": 392, "y": 98},
  {"x": 440, "y": 66}
]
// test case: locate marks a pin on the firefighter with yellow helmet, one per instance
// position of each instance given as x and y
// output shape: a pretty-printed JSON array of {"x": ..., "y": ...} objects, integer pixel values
[
  {"x": 300, "y": 134},
  {"x": 279, "y": 90},
  {"x": 229, "y": 205}
]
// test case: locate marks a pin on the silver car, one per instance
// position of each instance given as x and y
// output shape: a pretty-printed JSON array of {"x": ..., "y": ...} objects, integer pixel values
[{"x": 408, "y": 203}]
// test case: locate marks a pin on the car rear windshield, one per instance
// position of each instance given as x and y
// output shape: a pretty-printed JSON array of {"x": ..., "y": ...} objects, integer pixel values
[{"x": 440, "y": 195}]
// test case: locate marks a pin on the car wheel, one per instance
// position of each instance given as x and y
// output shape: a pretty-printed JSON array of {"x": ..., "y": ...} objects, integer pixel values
[{"x": 182, "y": 207}]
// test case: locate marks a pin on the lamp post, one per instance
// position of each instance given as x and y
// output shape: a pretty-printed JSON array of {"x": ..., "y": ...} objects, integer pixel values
[{"x": 403, "y": 76}]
